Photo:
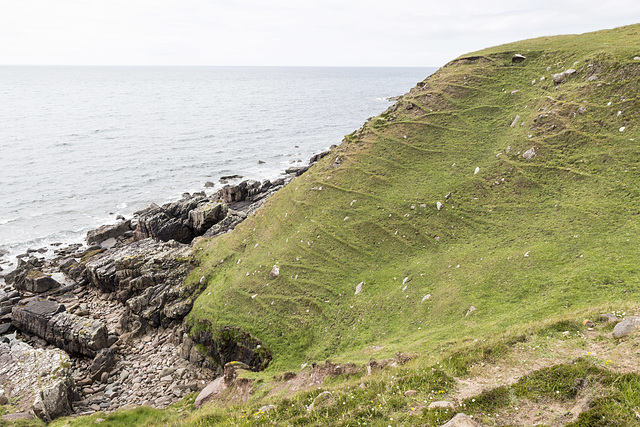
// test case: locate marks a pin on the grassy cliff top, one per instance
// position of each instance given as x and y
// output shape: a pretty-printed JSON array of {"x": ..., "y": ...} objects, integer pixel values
[{"x": 487, "y": 200}]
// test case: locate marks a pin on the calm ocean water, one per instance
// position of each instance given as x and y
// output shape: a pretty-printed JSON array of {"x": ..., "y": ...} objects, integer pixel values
[{"x": 81, "y": 145}]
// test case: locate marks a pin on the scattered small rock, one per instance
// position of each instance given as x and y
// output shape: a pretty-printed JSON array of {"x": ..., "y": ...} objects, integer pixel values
[
  {"x": 440, "y": 205},
  {"x": 588, "y": 323},
  {"x": 425, "y": 298},
  {"x": 410, "y": 393},
  {"x": 471, "y": 310},
  {"x": 518, "y": 58},
  {"x": 513, "y": 123},
  {"x": 209, "y": 184},
  {"x": 359, "y": 288},
  {"x": 274, "y": 273},
  {"x": 267, "y": 408}
]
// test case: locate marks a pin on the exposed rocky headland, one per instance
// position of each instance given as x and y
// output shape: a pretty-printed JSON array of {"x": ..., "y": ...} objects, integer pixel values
[{"x": 98, "y": 326}]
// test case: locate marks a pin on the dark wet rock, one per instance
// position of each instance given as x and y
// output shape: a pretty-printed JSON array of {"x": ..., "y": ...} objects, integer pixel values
[
  {"x": 105, "y": 232},
  {"x": 209, "y": 184},
  {"x": 230, "y": 177},
  {"x": 160, "y": 225},
  {"x": 297, "y": 171},
  {"x": 318, "y": 156}
]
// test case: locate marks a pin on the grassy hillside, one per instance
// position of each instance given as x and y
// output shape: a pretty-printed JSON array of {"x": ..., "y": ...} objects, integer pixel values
[
  {"x": 487, "y": 292},
  {"x": 520, "y": 240}
]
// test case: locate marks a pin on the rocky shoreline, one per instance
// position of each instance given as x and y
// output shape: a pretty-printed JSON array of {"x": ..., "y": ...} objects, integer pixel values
[{"x": 99, "y": 327}]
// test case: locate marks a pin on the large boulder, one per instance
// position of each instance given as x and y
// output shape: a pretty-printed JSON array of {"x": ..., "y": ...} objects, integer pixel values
[
  {"x": 206, "y": 215},
  {"x": 34, "y": 316},
  {"x": 55, "y": 400},
  {"x": 211, "y": 392},
  {"x": 628, "y": 326},
  {"x": 169, "y": 221},
  {"x": 160, "y": 225},
  {"x": 238, "y": 193},
  {"x": 76, "y": 334},
  {"x": 38, "y": 379},
  {"x": 106, "y": 232},
  {"x": 48, "y": 320},
  {"x": 36, "y": 281}
]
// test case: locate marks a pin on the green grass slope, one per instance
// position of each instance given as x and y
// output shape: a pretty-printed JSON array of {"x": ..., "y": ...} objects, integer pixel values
[{"x": 520, "y": 240}]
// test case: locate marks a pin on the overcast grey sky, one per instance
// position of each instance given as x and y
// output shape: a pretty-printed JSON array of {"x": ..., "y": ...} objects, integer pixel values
[{"x": 285, "y": 32}]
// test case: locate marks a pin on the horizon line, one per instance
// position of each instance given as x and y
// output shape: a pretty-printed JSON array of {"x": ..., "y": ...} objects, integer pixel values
[{"x": 228, "y": 66}]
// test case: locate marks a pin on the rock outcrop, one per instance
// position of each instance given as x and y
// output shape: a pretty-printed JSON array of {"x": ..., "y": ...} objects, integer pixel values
[
  {"x": 146, "y": 275},
  {"x": 194, "y": 215},
  {"x": 48, "y": 320}
]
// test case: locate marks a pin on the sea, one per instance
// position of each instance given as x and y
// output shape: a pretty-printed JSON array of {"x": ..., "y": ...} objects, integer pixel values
[{"x": 80, "y": 146}]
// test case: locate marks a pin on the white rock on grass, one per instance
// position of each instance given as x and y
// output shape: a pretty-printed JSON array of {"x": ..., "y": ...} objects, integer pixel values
[
  {"x": 425, "y": 298},
  {"x": 274, "y": 273},
  {"x": 439, "y": 206},
  {"x": 359, "y": 288},
  {"x": 477, "y": 170},
  {"x": 529, "y": 154}
]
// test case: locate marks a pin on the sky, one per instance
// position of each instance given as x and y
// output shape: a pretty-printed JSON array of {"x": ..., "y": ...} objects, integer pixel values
[{"x": 285, "y": 32}]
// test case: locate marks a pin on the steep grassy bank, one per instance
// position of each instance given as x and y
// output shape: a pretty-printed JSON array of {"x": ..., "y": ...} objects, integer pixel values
[{"x": 520, "y": 240}]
